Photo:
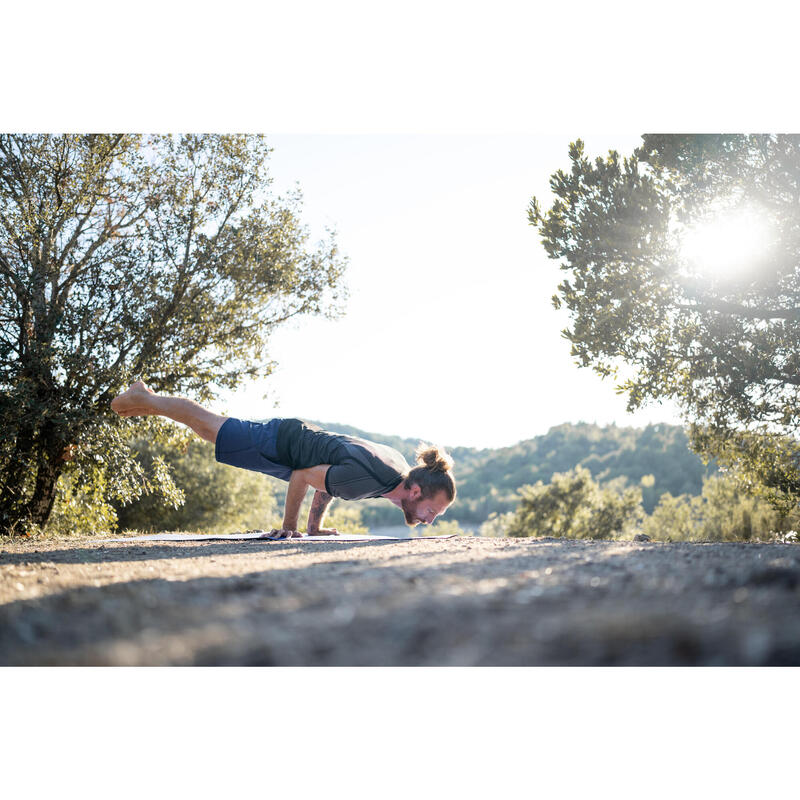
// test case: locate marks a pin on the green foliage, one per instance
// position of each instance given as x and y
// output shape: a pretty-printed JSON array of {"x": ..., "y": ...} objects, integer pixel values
[
  {"x": 344, "y": 517},
  {"x": 218, "y": 498},
  {"x": 490, "y": 484},
  {"x": 725, "y": 346},
  {"x": 82, "y": 509},
  {"x": 573, "y": 505},
  {"x": 674, "y": 518},
  {"x": 442, "y": 527},
  {"x": 763, "y": 465},
  {"x": 497, "y": 525},
  {"x": 723, "y": 512},
  {"x": 124, "y": 257}
]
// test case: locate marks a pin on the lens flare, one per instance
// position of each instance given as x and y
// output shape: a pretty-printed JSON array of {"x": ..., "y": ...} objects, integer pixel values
[{"x": 730, "y": 244}]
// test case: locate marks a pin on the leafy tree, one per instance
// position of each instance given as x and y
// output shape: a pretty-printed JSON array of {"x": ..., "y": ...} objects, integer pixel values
[
  {"x": 573, "y": 505},
  {"x": 724, "y": 344},
  {"x": 127, "y": 256}
]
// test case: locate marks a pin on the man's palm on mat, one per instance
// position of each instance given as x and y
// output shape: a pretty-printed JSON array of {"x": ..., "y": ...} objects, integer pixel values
[{"x": 283, "y": 533}]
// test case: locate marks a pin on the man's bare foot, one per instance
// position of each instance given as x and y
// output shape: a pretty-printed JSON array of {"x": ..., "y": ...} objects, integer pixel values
[
  {"x": 135, "y": 402},
  {"x": 324, "y": 532}
]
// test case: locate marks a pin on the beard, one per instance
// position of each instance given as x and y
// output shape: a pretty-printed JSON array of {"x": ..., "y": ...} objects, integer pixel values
[{"x": 410, "y": 512}]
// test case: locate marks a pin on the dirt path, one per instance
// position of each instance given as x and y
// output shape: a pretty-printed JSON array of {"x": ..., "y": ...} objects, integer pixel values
[{"x": 465, "y": 601}]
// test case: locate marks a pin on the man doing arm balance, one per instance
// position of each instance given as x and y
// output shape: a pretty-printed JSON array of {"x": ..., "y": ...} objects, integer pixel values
[{"x": 303, "y": 454}]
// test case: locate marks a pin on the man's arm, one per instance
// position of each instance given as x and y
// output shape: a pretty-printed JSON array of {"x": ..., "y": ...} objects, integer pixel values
[
  {"x": 299, "y": 482},
  {"x": 319, "y": 505},
  {"x": 298, "y": 486}
]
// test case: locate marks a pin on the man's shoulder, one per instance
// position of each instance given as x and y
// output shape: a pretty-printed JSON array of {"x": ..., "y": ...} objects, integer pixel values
[{"x": 382, "y": 452}]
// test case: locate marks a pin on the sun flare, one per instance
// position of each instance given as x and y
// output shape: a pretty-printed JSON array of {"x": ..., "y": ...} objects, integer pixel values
[{"x": 728, "y": 244}]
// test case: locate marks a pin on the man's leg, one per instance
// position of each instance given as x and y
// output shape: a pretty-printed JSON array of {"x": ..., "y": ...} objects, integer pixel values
[{"x": 140, "y": 401}]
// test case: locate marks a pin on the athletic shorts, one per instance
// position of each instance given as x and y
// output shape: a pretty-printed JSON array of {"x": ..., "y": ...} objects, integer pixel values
[{"x": 251, "y": 445}]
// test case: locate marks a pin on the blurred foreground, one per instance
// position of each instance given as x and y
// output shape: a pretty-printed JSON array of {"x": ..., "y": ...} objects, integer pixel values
[{"x": 464, "y": 601}]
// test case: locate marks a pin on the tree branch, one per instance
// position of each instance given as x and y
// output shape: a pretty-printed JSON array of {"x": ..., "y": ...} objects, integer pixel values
[{"x": 750, "y": 312}]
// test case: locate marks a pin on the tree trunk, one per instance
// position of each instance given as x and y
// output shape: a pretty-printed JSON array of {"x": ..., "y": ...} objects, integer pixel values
[
  {"x": 25, "y": 502},
  {"x": 14, "y": 480},
  {"x": 44, "y": 493}
]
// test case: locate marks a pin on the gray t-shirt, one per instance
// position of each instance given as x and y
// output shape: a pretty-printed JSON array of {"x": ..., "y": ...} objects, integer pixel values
[{"x": 359, "y": 468}]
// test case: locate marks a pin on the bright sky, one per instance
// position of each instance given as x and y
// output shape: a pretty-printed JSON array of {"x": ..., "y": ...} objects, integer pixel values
[{"x": 449, "y": 333}]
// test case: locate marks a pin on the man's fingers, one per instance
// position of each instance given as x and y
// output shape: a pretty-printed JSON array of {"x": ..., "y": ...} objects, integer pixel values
[{"x": 283, "y": 534}]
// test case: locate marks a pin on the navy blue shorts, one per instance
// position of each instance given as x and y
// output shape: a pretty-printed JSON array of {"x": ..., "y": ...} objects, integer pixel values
[{"x": 251, "y": 445}]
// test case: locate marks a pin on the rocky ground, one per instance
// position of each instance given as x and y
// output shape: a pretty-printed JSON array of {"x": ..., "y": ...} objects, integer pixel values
[{"x": 464, "y": 601}]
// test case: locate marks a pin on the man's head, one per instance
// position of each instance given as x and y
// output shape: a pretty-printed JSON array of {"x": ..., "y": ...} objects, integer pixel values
[{"x": 431, "y": 486}]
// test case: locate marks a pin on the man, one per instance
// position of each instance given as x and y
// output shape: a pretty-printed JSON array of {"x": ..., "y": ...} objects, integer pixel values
[{"x": 304, "y": 455}]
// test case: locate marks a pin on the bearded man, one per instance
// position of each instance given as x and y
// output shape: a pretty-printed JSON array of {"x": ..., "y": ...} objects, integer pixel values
[{"x": 334, "y": 464}]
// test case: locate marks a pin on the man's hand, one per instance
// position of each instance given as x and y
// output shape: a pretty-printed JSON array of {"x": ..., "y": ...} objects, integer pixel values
[
  {"x": 324, "y": 532},
  {"x": 283, "y": 533}
]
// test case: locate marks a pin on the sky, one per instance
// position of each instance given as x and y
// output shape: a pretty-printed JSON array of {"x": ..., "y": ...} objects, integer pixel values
[{"x": 449, "y": 333}]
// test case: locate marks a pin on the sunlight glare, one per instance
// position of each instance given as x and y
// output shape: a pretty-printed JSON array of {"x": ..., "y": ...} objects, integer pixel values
[{"x": 727, "y": 244}]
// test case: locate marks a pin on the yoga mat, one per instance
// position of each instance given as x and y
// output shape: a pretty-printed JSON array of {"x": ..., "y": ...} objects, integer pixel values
[{"x": 200, "y": 537}]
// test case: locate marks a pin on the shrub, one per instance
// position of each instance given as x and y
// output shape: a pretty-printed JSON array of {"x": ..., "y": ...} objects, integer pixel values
[
  {"x": 724, "y": 512},
  {"x": 573, "y": 505},
  {"x": 218, "y": 498}
]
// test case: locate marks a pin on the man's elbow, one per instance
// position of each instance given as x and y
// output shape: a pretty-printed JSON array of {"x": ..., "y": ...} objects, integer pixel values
[{"x": 313, "y": 476}]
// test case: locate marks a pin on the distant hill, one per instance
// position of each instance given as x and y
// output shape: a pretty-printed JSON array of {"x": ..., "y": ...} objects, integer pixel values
[{"x": 488, "y": 479}]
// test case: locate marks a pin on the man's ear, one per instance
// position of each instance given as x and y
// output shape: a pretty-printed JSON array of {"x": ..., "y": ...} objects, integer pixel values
[{"x": 414, "y": 492}]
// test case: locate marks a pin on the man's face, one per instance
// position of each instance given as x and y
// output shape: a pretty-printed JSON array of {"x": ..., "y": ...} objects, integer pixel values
[{"x": 419, "y": 509}]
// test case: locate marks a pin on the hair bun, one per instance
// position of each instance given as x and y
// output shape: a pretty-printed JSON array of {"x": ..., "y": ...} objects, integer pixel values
[{"x": 434, "y": 458}]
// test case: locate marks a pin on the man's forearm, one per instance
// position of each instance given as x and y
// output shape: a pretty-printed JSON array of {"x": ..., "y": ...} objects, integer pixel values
[
  {"x": 319, "y": 505},
  {"x": 294, "y": 499}
]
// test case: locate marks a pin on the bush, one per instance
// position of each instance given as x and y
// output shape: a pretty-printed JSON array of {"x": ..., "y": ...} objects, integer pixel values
[
  {"x": 218, "y": 498},
  {"x": 497, "y": 524},
  {"x": 442, "y": 528},
  {"x": 724, "y": 512},
  {"x": 573, "y": 505},
  {"x": 80, "y": 509},
  {"x": 344, "y": 518}
]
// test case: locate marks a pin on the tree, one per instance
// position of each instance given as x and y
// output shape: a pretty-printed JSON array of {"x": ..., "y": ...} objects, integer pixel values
[
  {"x": 575, "y": 506},
  {"x": 714, "y": 327},
  {"x": 127, "y": 256}
]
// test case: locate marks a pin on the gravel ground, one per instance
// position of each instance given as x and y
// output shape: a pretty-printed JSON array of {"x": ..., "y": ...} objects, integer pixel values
[{"x": 464, "y": 601}]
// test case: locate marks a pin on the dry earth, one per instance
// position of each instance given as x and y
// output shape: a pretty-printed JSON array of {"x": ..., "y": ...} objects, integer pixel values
[{"x": 465, "y": 601}]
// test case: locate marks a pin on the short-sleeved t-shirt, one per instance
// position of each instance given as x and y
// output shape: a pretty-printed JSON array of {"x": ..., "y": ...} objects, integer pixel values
[{"x": 359, "y": 468}]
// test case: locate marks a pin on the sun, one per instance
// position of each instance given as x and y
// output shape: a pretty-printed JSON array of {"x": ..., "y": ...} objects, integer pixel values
[{"x": 729, "y": 244}]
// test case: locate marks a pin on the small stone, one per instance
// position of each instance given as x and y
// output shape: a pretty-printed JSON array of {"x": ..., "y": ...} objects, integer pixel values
[{"x": 641, "y": 537}]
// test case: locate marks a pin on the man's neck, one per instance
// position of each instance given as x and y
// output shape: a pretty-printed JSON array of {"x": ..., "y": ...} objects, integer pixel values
[{"x": 398, "y": 494}]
